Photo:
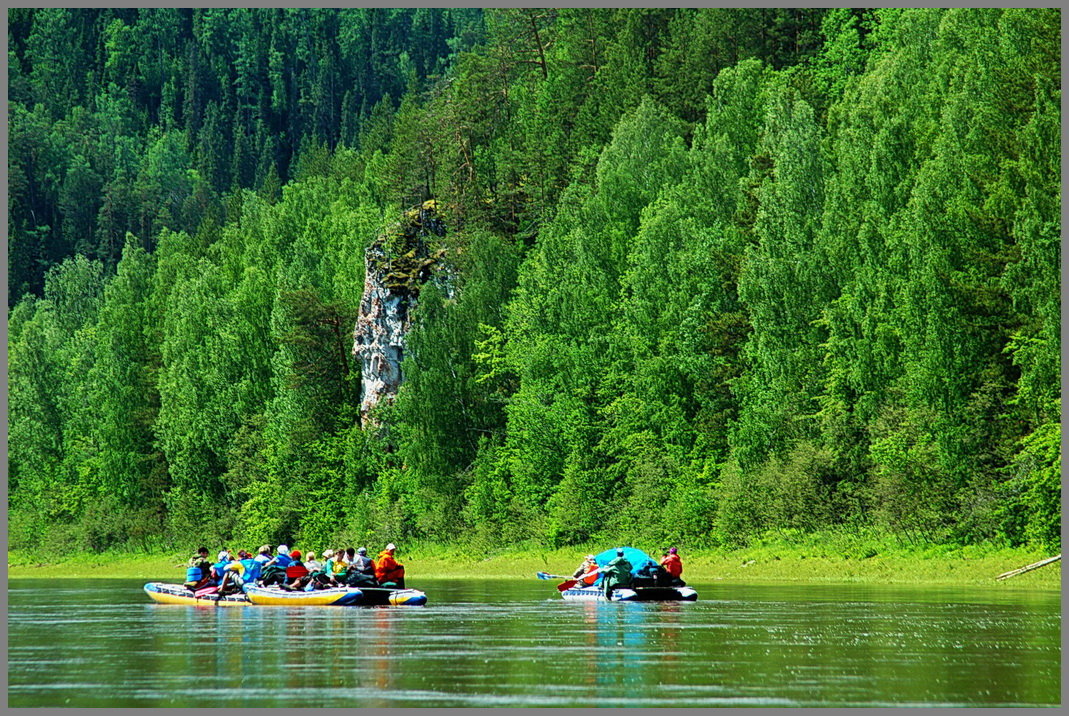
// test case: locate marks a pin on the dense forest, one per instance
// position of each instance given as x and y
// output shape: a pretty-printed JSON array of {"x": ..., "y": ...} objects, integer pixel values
[{"x": 711, "y": 274}]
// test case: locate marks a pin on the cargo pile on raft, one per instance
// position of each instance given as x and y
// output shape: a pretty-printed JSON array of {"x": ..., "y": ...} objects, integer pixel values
[
  {"x": 288, "y": 578},
  {"x": 626, "y": 574}
]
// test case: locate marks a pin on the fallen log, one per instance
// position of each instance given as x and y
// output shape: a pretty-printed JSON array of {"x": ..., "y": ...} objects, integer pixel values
[{"x": 1028, "y": 568}]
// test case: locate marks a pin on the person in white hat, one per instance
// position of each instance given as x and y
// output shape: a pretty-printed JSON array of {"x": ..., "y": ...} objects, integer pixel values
[
  {"x": 219, "y": 568},
  {"x": 274, "y": 570},
  {"x": 388, "y": 571}
]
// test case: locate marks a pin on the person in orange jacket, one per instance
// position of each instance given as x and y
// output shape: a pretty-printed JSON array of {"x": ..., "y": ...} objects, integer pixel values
[
  {"x": 674, "y": 566},
  {"x": 587, "y": 573},
  {"x": 387, "y": 568}
]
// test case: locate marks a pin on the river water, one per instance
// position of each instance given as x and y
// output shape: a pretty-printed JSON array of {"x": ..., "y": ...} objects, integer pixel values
[{"x": 501, "y": 643}]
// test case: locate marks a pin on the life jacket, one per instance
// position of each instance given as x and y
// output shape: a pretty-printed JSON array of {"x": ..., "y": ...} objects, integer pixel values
[
  {"x": 283, "y": 560},
  {"x": 218, "y": 570},
  {"x": 335, "y": 567},
  {"x": 589, "y": 576},
  {"x": 296, "y": 570},
  {"x": 252, "y": 570},
  {"x": 197, "y": 569}
]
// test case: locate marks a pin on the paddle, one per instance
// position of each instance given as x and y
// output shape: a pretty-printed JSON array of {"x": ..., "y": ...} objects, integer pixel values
[
  {"x": 564, "y": 586},
  {"x": 568, "y": 582}
]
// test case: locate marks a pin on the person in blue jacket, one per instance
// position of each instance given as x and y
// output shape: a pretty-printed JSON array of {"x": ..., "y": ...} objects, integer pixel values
[
  {"x": 219, "y": 568},
  {"x": 274, "y": 570},
  {"x": 240, "y": 574}
]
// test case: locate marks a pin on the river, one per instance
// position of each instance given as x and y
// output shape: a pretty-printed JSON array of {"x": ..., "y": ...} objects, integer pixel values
[{"x": 103, "y": 643}]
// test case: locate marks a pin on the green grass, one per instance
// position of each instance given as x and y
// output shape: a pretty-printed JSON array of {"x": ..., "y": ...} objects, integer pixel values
[{"x": 828, "y": 558}]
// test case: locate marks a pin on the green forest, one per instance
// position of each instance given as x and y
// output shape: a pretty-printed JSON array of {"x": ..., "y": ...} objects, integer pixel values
[{"x": 706, "y": 275}]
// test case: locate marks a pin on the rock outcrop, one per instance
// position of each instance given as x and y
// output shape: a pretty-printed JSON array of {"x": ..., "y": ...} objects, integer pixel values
[{"x": 396, "y": 265}]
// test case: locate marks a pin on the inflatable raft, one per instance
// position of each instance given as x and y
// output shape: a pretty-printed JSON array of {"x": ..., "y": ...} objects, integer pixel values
[
  {"x": 638, "y": 594},
  {"x": 179, "y": 594},
  {"x": 338, "y": 597},
  {"x": 644, "y": 587}
]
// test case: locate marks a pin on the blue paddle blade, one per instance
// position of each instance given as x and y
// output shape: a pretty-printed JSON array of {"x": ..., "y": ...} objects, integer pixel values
[{"x": 543, "y": 575}]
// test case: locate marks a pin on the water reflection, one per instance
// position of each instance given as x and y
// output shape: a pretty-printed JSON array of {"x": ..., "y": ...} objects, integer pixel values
[
  {"x": 508, "y": 645},
  {"x": 381, "y": 639},
  {"x": 629, "y": 648}
]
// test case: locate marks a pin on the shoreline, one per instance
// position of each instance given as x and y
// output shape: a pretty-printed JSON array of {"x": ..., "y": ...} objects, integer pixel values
[{"x": 962, "y": 567}]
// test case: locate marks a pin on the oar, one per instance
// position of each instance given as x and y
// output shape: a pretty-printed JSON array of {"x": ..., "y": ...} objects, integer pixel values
[{"x": 568, "y": 582}]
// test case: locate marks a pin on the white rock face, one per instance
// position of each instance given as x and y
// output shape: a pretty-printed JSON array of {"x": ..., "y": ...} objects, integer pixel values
[
  {"x": 391, "y": 288},
  {"x": 379, "y": 337}
]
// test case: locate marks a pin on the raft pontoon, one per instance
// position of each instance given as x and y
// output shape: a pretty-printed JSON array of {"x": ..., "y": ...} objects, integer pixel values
[
  {"x": 638, "y": 594},
  {"x": 274, "y": 596},
  {"x": 180, "y": 594},
  {"x": 337, "y": 597}
]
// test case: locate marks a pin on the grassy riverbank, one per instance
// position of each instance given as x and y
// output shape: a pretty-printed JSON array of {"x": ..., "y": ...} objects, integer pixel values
[{"x": 769, "y": 562}]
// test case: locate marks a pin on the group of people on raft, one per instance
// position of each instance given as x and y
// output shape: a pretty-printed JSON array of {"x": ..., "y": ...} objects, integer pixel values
[
  {"x": 619, "y": 573},
  {"x": 292, "y": 571}
]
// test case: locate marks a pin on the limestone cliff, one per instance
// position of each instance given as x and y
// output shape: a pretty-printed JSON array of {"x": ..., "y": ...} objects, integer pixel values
[{"x": 397, "y": 265}]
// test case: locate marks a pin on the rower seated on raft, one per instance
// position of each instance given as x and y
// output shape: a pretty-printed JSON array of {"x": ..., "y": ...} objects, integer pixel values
[
  {"x": 587, "y": 572},
  {"x": 673, "y": 567},
  {"x": 665, "y": 574},
  {"x": 388, "y": 572}
]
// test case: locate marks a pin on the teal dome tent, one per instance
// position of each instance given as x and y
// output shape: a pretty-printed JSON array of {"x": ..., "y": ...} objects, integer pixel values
[{"x": 636, "y": 557}]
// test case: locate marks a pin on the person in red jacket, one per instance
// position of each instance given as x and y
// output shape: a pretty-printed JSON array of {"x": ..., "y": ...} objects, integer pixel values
[
  {"x": 674, "y": 566},
  {"x": 387, "y": 568}
]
